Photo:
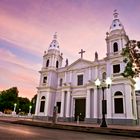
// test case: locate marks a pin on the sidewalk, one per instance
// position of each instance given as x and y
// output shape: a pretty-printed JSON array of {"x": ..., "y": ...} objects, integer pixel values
[{"x": 131, "y": 131}]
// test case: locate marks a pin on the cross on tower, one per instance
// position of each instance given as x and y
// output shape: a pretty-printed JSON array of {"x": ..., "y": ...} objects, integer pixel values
[
  {"x": 115, "y": 14},
  {"x": 81, "y": 52},
  {"x": 55, "y": 36}
]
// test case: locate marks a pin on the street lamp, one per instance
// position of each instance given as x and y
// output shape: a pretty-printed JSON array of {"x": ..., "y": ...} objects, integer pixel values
[
  {"x": 30, "y": 108},
  {"x": 103, "y": 85},
  {"x": 15, "y": 107}
]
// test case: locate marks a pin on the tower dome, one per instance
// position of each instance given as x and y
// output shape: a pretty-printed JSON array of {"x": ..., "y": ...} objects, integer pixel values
[
  {"x": 116, "y": 38},
  {"x": 116, "y": 24},
  {"x": 54, "y": 44}
]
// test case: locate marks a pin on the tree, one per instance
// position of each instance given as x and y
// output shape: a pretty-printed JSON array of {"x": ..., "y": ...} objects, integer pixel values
[
  {"x": 8, "y": 98},
  {"x": 131, "y": 55},
  {"x": 23, "y": 105},
  {"x": 33, "y": 103}
]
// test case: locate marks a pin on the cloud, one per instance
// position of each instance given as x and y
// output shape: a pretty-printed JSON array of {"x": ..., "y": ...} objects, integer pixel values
[
  {"x": 17, "y": 72},
  {"x": 27, "y": 27},
  {"x": 8, "y": 56},
  {"x": 25, "y": 35}
]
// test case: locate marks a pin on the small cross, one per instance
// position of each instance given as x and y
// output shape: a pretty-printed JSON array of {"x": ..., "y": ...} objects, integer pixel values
[
  {"x": 115, "y": 10},
  {"x": 55, "y": 36},
  {"x": 115, "y": 14},
  {"x": 81, "y": 52}
]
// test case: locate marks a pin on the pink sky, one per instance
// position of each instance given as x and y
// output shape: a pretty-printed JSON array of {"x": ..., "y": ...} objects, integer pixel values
[{"x": 27, "y": 27}]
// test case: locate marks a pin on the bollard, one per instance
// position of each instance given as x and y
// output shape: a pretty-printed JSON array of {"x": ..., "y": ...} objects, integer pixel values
[{"x": 78, "y": 119}]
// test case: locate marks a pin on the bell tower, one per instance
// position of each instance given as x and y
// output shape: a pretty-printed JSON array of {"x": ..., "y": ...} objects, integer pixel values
[
  {"x": 121, "y": 87},
  {"x": 52, "y": 59},
  {"x": 116, "y": 38}
]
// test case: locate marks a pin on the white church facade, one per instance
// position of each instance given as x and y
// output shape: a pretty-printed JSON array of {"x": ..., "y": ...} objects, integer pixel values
[{"x": 72, "y": 88}]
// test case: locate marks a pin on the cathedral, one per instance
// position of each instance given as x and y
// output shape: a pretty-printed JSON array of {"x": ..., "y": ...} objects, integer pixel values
[{"x": 73, "y": 89}]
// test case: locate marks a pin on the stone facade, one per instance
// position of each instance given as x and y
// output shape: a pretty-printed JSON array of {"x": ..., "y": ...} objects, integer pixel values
[{"x": 72, "y": 88}]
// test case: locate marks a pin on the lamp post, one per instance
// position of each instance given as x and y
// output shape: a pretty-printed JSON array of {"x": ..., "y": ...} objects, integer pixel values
[
  {"x": 103, "y": 85},
  {"x": 15, "y": 107},
  {"x": 30, "y": 108}
]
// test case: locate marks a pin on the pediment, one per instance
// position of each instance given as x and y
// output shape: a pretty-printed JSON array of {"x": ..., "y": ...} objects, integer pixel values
[{"x": 79, "y": 64}]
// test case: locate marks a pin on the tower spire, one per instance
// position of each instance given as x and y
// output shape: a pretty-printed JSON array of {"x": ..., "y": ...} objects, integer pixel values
[
  {"x": 115, "y": 14},
  {"x": 116, "y": 24},
  {"x": 55, "y": 36},
  {"x": 54, "y": 44}
]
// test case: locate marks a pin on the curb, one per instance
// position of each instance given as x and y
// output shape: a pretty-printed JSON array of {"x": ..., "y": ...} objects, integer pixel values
[{"x": 88, "y": 129}]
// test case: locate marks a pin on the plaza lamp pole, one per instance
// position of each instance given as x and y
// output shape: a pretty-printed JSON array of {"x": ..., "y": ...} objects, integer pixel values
[
  {"x": 30, "y": 108},
  {"x": 103, "y": 85},
  {"x": 15, "y": 107}
]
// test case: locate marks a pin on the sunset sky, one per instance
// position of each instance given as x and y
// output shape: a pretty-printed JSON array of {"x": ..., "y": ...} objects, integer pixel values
[{"x": 27, "y": 27}]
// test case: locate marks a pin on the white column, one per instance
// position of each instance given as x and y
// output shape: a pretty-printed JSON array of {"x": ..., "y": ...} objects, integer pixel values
[
  {"x": 37, "y": 104},
  {"x": 128, "y": 102},
  {"x": 54, "y": 61},
  {"x": 95, "y": 103},
  {"x": 62, "y": 104},
  {"x": 72, "y": 107},
  {"x": 109, "y": 103},
  {"x": 134, "y": 105},
  {"x": 47, "y": 112},
  {"x": 109, "y": 69},
  {"x": 65, "y": 78},
  {"x": 51, "y": 61},
  {"x": 88, "y": 104},
  {"x": 96, "y": 73},
  {"x": 50, "y": 78},
  {"x": 89, "y": 74},
  {"x": 70, "y": 76},
  {"x": 68, "y": 104}
]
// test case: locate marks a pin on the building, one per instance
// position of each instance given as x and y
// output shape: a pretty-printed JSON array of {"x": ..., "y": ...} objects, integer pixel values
[
  {"x": 72, "y": 88},
  {"x": 138, "y": 105}
]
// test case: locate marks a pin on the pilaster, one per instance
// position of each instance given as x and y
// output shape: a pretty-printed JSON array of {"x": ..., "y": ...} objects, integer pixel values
[
  {"x": 95, "y": 115},
  {"x": 47, "y": 104},
  {"x": 68, "y": 104},
  {"x": 62, "y": 104},
  {"x": 128, "y": 102},
  {"x": 37, "y": 104},
  {"x": 88, "y": 104},
  {"x": 109, "y": 102}
]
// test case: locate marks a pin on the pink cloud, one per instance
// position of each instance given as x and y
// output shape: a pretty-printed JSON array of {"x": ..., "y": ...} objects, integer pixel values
[
  {"x": 16, "y": 72},
  {"x": 22, "y": 78},
  {"x": 80, "y": 25}
]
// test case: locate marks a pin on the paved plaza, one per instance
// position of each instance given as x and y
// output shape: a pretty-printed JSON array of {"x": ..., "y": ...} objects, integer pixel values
[{"x": 10, "y": 131}]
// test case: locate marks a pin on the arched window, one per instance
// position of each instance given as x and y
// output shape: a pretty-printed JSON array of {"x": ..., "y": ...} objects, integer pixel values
[
  {"x": 61, "y": 81},
  {"x": 118, "y": 102},
  {"x": 43, "y": 97},
  {"x": 57, "y": 64},
  {"x": 104, "y": 75},
  {"x": 47, "y": 64},
  {"x": 42, "y": 104},
  {"x": 115, "y": 47},
  {"x": 45, "y": 79}
]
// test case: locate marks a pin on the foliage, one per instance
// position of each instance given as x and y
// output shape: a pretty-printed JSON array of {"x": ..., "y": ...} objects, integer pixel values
[
  {"x": 33, "y": 103},
  {"x": 23, "y": 105},
  {"x": 8, "y": 98},
  {"x": 131, "y": 55}
]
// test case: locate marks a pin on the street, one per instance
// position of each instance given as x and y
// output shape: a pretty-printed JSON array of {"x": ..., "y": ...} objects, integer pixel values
[{"x": 22, "y": 132}]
